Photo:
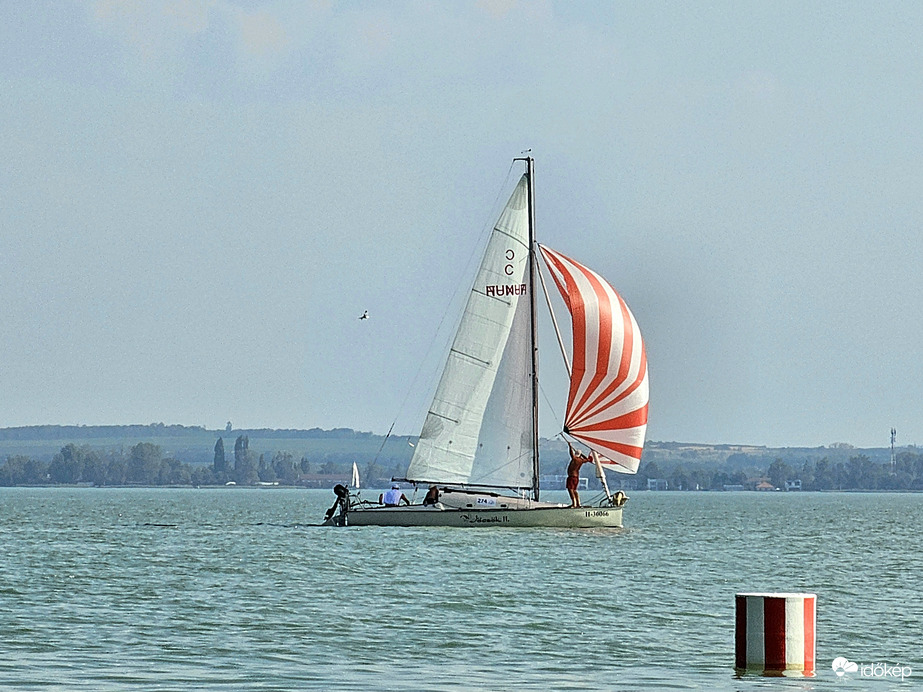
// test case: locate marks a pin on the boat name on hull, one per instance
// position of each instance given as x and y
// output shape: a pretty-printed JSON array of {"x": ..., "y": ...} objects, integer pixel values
[{"x": 475, "y": 519}]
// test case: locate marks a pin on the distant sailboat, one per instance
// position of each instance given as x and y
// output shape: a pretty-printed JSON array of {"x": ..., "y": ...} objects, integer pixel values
[
  {"x": 354, "y": 480},
  {"x": 479, "y": 442}
]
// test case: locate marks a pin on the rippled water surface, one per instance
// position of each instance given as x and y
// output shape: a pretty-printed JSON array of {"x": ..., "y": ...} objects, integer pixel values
[{"x": 230, "y": 589}]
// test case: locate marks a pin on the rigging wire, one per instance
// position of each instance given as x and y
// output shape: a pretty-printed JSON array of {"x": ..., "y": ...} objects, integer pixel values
[{"x": 554, "y": 413}]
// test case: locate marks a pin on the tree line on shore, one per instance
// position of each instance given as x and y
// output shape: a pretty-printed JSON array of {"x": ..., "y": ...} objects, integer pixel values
[
  {"x": 858, "y": 472},
  {"x": 145, "y": 464}
]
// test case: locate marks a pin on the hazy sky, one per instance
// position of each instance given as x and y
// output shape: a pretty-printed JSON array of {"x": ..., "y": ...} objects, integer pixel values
[{"x": 199, "y": 198}]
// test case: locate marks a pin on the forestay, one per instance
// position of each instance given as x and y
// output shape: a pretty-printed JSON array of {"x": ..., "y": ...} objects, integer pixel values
[
  {"x": 608, "y": 398},
  {"x": 478, "y": 428}
]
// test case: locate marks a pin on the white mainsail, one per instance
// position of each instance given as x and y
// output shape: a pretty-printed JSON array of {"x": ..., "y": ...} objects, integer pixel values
[{"x": 477, "y": 430}]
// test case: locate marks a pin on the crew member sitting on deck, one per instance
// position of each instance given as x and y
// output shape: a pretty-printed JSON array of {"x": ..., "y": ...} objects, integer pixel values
[
  {"x": 393, "y": 497},
  {"x": 432, "y": 496},
  {"x": 573, "y": 474}
]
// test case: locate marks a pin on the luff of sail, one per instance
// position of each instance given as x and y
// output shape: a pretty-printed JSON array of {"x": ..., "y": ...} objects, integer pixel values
[
  {"x": 607, "y": 402},
  {"x": 474, "y": 430}
]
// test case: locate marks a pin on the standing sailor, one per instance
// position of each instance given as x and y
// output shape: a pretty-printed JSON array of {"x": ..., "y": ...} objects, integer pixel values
[{"x": 573, "y": 474}]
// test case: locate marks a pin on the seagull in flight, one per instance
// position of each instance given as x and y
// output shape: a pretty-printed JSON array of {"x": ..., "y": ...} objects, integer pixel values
[{"x": 365, "y": 315}]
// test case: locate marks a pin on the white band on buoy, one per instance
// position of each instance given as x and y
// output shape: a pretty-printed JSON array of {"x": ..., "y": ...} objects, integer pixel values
[{"x": 775, "y": 632}]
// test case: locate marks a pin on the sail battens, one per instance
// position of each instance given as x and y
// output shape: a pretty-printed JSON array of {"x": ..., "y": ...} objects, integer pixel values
[
  {"x": 443, "y": 417},
  {"x": 512, "y": 235},
  {"x": 491, "y": 296},
  {"x": 469, "y": 356},
  {"x": 608, "y": 396}
]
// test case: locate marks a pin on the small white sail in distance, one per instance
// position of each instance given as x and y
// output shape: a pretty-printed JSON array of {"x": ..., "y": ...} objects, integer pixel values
[
  {"x": 354, "y": 481},
  {"x": 608, "y": 399}
]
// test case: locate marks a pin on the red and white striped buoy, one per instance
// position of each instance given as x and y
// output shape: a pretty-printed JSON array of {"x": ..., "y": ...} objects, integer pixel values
[{"x": 775, "y": 633}]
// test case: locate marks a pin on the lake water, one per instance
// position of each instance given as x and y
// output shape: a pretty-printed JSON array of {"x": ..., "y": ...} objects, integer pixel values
[{"x": 234, "y": 589}]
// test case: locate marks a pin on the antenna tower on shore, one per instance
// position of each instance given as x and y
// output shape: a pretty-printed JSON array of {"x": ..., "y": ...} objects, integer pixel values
[{"x": 893, "y": 436}]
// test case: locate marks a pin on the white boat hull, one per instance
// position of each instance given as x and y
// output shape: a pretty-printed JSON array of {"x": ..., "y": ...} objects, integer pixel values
[{"x": 417, "y": 515}]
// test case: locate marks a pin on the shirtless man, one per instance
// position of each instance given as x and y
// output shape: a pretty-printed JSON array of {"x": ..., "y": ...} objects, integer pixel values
[{"x": 573, "y": 474}]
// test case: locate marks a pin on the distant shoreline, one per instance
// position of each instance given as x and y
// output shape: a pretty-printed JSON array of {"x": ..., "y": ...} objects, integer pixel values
[{"x": 159, "y": 455}]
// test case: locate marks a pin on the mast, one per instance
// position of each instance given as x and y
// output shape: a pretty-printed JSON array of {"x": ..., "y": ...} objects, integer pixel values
[{"x": 530, "y": 175}]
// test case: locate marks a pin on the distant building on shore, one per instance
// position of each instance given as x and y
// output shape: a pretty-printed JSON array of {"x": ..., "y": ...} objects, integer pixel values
[
  {"x": 323, "y": 480},
  {"x": 657, "y": 484}
]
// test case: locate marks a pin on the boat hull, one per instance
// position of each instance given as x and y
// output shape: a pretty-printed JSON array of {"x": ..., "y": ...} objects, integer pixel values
[{"x": 416, "y": 515}]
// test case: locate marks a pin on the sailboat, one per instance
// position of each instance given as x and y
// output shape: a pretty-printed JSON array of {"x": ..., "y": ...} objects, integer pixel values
[{"x": 478, "y": 448}]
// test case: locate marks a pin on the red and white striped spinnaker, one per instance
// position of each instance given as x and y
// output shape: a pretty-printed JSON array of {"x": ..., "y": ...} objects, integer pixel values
[{"x": 608, "y": 398}]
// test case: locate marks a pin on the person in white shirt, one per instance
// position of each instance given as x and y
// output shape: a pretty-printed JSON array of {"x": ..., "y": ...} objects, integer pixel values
[{"x": 393, "y": 497}]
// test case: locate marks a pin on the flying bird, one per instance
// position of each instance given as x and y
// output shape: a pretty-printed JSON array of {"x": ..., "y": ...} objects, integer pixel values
[{"x": 365, "y": 315}]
